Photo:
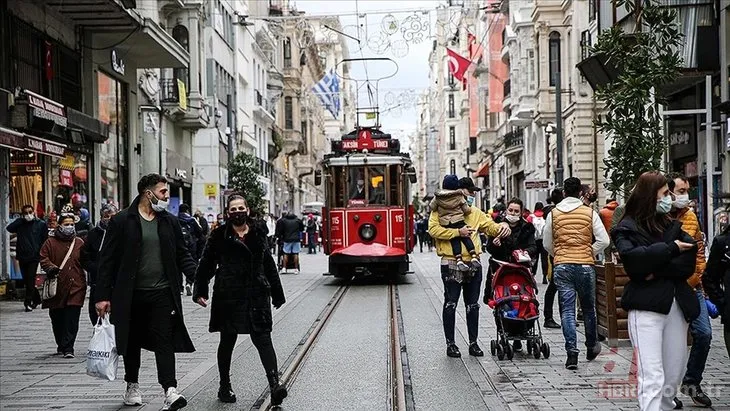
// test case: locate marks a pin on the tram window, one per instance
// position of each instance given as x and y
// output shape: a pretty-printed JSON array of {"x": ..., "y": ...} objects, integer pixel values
[
  {"x": 376, "y": 180},
  {"x": 395, "y": 185},
  {"x": 356, "y": 183},
  {"x": 339, "y": 187}
]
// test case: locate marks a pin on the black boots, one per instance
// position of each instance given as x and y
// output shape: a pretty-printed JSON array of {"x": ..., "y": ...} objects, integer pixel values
[
  {"x": 452, "y": 350},
  {"x": 225, "y": 393},
  {"x": 278, "y": 391}
]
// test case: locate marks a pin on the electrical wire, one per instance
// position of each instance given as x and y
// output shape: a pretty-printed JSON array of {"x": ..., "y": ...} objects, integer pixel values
[{"x": 135, "y": 30}]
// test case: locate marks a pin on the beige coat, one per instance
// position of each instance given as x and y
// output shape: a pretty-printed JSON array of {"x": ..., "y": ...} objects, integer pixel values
[{"x": 450, "y": 205}]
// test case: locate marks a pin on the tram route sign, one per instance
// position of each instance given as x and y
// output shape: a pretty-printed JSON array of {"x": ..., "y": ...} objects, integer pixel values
[{"x": 365, "y": 140}]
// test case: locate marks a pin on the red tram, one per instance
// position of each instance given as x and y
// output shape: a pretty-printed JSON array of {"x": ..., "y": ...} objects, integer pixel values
[{"x": 367, "y": 219}]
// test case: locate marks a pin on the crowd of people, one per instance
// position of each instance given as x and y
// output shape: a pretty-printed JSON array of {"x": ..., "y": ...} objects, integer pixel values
[{"x": 138, "y": 262}]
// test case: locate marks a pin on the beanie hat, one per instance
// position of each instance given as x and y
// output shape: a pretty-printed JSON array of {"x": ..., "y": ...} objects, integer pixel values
[{"x": 451, "y": 182}]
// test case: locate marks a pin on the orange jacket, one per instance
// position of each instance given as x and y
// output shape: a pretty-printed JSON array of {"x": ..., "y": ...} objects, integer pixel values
[
  {"x": 691, "y": 226},
  {"x": 606, "y": 214}
]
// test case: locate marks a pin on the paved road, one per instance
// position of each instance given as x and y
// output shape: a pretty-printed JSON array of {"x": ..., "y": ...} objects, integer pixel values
[{"x": 345, "y": 370}]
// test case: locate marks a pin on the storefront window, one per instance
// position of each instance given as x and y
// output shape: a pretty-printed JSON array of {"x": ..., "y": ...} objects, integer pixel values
[
  {"x": 113, "y": 110},
  {"x": 69, "y": 179},
  {"x": 26, "y": 182}
]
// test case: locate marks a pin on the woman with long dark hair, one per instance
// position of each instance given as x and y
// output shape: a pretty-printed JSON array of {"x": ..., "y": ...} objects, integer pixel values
[
  {"x": 246, "y": 285},
  {"x": 659, "y": 258}
]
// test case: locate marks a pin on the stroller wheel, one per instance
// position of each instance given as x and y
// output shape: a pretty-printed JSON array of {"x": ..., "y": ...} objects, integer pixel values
[
  {"x": 493, "y": 346},
  {"x": 545, "y": 350},
  {"x": 529, "y": 347},
  {"x": 500, "y": 352},
  {"x": 509, "y": 353},
  {"x": 536, "y": 351}
]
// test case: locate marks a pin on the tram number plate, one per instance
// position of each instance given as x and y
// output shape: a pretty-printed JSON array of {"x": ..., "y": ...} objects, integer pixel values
[{"x": 398, "y": 218}]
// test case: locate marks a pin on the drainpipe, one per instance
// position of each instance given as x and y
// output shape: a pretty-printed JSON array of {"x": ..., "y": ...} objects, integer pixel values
[{"x": 558, "y": 130}]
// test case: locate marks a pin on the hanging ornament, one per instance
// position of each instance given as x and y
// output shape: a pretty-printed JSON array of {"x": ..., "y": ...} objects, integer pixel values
[
  {"x": 379, "y": 43},
  {"x": 389, "y": 24},
  {"x": 399, "y": 48},
  {"x": 413, "y": 29}
]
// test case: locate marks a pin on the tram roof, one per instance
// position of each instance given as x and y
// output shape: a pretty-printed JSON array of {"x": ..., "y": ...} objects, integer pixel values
[{"x": 365, "y": 159}]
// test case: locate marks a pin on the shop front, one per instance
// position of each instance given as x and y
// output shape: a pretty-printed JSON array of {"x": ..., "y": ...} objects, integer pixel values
[{"x": 179, "y": 173}]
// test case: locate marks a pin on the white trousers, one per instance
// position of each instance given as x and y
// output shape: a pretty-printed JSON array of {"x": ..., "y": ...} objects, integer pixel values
[{"x": 660, "y": 344}]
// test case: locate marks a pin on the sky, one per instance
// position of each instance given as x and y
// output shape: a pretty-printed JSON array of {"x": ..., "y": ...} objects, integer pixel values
[{"x": 399, "y": 30}]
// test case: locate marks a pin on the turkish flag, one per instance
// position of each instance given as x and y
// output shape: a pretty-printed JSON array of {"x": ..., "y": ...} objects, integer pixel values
[
  {"x": 49, "y": 61},
  {"x": 458, "y": 65}
]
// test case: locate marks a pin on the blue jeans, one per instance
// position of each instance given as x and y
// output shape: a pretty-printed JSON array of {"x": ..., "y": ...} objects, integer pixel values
[
  {"x": 471, "y": 291},
  {"x": 701, "y": 330},
  {"x": 580, "y": 280}
]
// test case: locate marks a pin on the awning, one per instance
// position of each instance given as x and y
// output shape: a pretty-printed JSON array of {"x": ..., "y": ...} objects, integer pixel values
[{"x": 483, "y": 170}]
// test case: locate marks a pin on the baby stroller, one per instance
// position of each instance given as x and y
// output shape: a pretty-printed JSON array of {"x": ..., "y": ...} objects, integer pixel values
[{"x": 515, "y": 305}]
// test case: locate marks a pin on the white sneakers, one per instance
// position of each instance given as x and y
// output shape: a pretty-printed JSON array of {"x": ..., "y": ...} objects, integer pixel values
[
  {"x": 132, "y": 396},
  {"x": 173, "y": 400}
]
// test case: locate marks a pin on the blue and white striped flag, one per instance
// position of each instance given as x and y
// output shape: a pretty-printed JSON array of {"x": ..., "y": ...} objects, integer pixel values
[{"x": 328, "y": 90}]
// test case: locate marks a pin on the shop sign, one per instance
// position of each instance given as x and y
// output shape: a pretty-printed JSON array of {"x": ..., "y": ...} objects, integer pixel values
[
  {"x": 45, "y": 147},
  {"x": 537, "y": 184},
  {"x": 11, "y": 139},
  {"x": 47, "y": 109},
  {"x": 66, "y": 179},
  {"x": 182, "y": 95},
  {"x": 211, "y": 189},
  {"x": 179, "y": 168},
  {"x": 117, "y": 63},
  {"x": 67, "y": 163},
  {"x": 681, "y": 136}
]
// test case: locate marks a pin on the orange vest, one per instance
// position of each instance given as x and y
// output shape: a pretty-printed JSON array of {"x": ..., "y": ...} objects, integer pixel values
[{"x": 573, "y": 236}]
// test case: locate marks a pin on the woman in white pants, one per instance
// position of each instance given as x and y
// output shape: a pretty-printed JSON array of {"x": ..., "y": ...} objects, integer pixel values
[{"x": 658, "y": 258}]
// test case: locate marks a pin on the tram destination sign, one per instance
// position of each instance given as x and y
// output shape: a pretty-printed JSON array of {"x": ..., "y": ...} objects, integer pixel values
[{"x": 365, "y": 140}]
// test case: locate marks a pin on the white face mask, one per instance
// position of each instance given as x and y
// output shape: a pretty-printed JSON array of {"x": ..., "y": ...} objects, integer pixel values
[
  {"x": 681, "y": 201},
  {"x": 29, "y": 217},
  {"x": 157, "y": 204},
  {"x": 512, "y": 218}
]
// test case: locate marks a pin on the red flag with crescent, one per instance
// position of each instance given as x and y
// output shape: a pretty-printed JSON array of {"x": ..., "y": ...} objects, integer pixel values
[
  {"x": 49, "y": 61},
  {"x": 457, "y": 65}
]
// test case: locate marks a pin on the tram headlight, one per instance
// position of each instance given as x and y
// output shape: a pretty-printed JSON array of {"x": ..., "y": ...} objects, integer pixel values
[{"x": 367, "y": 232}]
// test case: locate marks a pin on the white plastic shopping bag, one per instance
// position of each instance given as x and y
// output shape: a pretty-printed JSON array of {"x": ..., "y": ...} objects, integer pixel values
[{"x": 102, "y": 358}]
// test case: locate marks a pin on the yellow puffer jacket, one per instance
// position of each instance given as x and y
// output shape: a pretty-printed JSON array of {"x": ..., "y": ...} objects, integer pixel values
[
  {"x": 476, "y": 219},
  {"x": 691, "y": 226}
]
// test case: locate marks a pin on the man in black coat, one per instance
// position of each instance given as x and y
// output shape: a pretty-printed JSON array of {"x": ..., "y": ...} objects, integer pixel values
[
  {"x": 31, "y": 233},
  {"x": 139, "y": 283},
  {"x": 289, "y": 230}
]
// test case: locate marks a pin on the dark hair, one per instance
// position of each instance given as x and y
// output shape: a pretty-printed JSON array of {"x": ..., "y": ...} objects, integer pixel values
[
  {"x": 572, "y": 187},
  {"x": 149, "y": 181},
  {"x": 64, "y": 217},
  {"x": 641, "y": 205},
  {"x": 539, "y": 206},
  {"x": 610, "y": 200},
  {"x": 234, "y": 197},
  {"x": 556, "y": 196},
  {"x": 27, "y": 206},
  {"x": 675, "y": 176},
  {"x": 517, "y": 201},
  {"x": 184, "y": 208}
]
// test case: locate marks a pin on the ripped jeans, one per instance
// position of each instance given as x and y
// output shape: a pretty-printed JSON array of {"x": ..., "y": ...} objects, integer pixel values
[{"x": 452, "y": 290}]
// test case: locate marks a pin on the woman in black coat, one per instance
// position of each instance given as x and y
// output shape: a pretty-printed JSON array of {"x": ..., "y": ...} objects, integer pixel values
[
  {"x": 658, "y": 257},
  {"x": 246, "y": 285},
  {"x": 716, "y": 280}
]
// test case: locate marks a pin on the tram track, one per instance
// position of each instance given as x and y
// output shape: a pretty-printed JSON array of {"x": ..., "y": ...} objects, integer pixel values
[{"x": 400, "y": 397}]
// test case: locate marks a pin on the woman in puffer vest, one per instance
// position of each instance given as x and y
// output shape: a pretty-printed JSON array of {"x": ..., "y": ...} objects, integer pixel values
[{"x": 659, "y": 258}]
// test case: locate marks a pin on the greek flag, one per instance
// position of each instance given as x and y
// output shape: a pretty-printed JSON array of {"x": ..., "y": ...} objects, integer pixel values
[{"x": 328, "y": 91}]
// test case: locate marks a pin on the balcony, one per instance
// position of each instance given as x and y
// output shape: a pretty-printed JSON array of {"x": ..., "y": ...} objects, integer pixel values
[
  {"x": 513, "y": 141},
  {"x": 266, "y": 169},
  {"x": 275, "y": 80},
  {"x": 264, "y": 109},
  {"x": 189, "y": 113},
  {"x": 293, "y": 143}
]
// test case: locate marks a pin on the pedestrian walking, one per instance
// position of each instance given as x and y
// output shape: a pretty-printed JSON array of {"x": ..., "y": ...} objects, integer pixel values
[
  {"x": 90, "y": 252},
  {"x": 31, "y": 232},
  {"x": 456, "y": 281},
  {"x": 246, "y": 285},
  {"x": 421, "y": 230},
  {"x": 202, "y": 222},
  {"x": 289, "y": 230},
  {"x": 522, "y": 237},
  {"x": 700, "y": 328},
  {"x": 556, "y": 196},
  {"x": 193, "y": 237},
  {"x": 569, "y": 231},
  {"x": 659, "y": 258},
  {"x": 715, "y": 281},
  {"x": 61, "y": 259},
  {"x": 311, "y": 234},
  {"x": 139, "y": 281},
  {"x": 271, "y": 231},
  {"x": 538, "y": 221}
]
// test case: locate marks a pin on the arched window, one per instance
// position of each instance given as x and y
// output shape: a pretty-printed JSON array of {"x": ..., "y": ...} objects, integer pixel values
[
  {"x": 182, "y": 36},
  {"x": 452, "y": 166},
  {"x": 554, "y": 56}
]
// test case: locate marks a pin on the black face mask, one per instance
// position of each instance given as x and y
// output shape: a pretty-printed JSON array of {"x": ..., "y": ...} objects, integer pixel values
[{"x": 238, "y": 218}]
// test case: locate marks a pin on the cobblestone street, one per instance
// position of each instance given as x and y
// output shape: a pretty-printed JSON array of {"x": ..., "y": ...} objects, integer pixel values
[{"x": 32, "y": 378}]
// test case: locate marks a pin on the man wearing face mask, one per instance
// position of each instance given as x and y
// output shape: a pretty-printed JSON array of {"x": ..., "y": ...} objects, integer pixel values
[
  {"x": 358, "y": 192},
  {"x": 139, "y": 282},
  {"x": 31, "y": 233},
  {"x": 700, "y": 327}
]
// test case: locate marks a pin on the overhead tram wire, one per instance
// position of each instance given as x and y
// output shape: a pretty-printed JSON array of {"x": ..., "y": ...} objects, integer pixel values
[{"x": 374, "y": 12}]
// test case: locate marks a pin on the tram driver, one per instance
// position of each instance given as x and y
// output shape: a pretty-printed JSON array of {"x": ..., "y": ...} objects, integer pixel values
[{"x": 358, "y": 191}]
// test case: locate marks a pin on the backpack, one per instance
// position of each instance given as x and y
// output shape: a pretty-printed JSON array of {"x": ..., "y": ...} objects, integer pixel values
[{"x": 539, "y": 224}]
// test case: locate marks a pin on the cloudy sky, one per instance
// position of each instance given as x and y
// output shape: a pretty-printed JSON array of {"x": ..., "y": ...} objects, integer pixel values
[{"x": 400, "y": 30}]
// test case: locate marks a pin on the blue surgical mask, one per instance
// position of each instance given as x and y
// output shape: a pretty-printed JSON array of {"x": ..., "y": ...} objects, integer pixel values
[
  {"x": 470, "y": 200},
  {"x": 664, "y": 205}
]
